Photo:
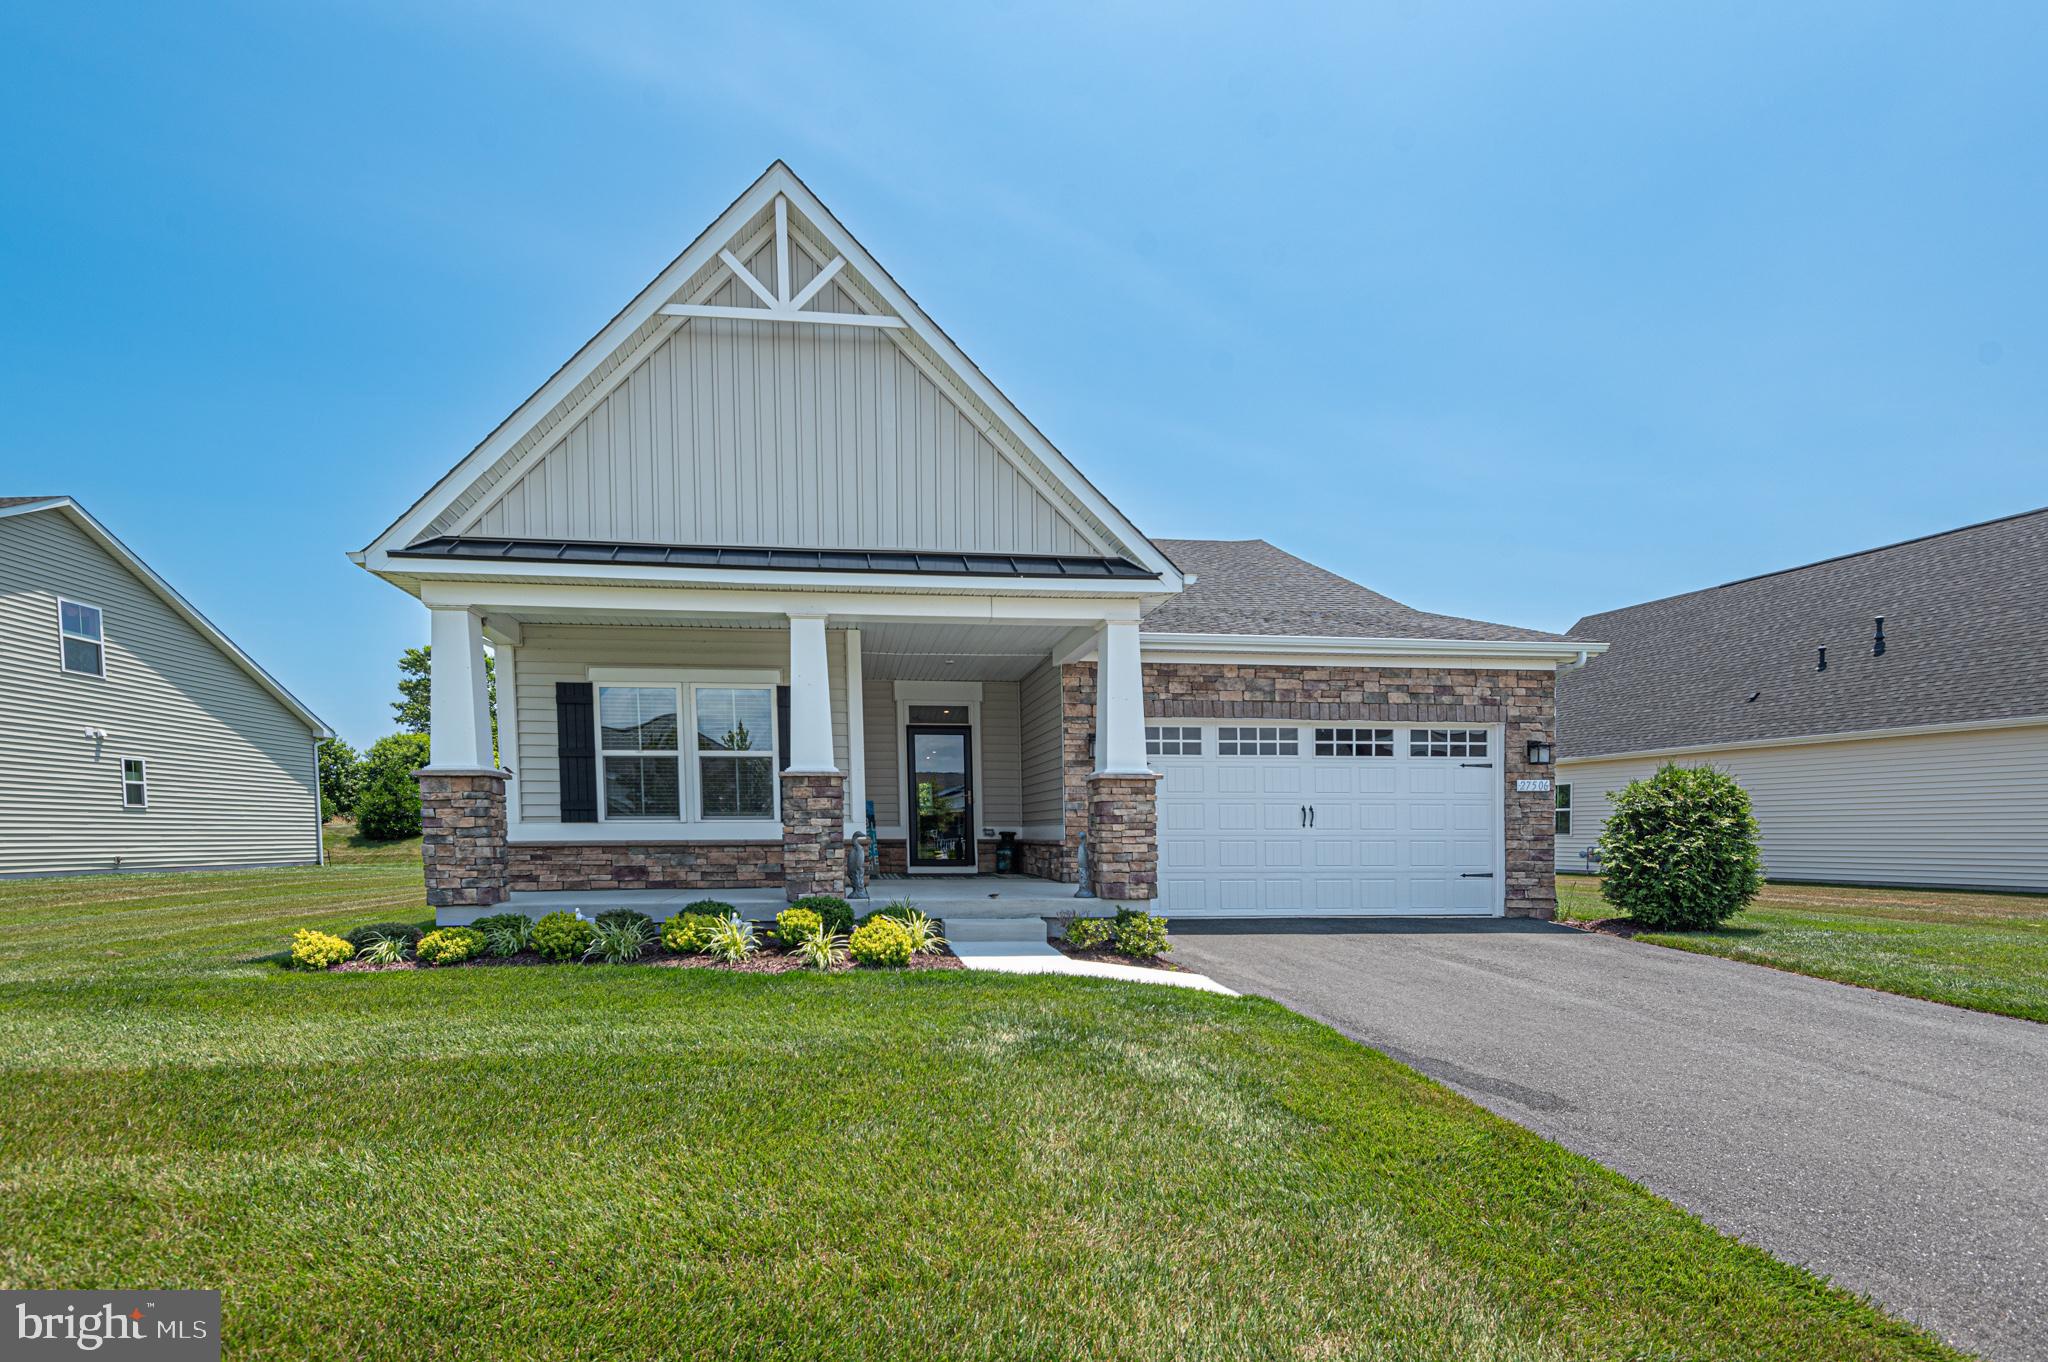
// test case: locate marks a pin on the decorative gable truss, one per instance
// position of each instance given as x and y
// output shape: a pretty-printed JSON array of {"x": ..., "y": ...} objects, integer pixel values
[{"x": 774, "y": 388}]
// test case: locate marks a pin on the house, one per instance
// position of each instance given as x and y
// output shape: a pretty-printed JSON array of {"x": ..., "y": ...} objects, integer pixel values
[
  {"x": 134, "y": 735},
  {"x": 770, "y": 551},
  {"x": 1886, "y": 710}
]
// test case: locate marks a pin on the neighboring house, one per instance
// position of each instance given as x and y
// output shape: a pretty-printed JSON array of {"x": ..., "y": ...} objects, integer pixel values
[
  {"x": 770, "y": 550},
  {"x": 134, "y": 735},
  {"x": 1915, "y": 752}
]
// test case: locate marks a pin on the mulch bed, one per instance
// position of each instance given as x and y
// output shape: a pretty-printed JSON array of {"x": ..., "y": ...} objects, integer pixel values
[
  {"x": 1608, "y": 926},
  {"x": 1109, "y": 957},
  {"x": 768, "y": 961}
]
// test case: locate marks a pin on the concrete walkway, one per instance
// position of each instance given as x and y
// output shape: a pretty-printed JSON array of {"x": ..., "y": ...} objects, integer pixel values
[
  {"x": 1019, "y": 946},
  {"x": 1897, "y": 1146}
]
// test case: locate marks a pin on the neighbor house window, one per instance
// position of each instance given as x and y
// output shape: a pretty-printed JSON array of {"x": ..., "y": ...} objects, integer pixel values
[
  {"x": 1258, "y": 742},
  {"x": 637, "y": 744},
  {"x": 134, "y": 783},
  {"x": 1564, "y": 810},
  {"x": 1354, "y": 742},
  {"x": 1446, "y": 742},
  {"x": 736, "y": 751},
  {"x": 1172, "y": 741},
  {"x": 85, "y": 650}
]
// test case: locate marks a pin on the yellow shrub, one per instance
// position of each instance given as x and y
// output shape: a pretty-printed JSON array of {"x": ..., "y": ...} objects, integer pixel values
[{"x": 318, "y": 950}]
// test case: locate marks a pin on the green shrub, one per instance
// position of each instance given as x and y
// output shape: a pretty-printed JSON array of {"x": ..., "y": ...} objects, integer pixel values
[
  {"x": 505, "y": 934},
  {"x": 386, "y": 949},
  {"x": 732, "y": 940},
  {"x": 341, "y": 776},
  {"x": 611, "y": 916},
  {"x": 449, "y": 946},
  {"x": 794, "y": 926},
  {"x": 360, "y": 937},
  {"x": 924, "y": 933},
  {"x": 689, "y": 933},
  {"x": 387, "y": 805},
  {"x": 835, "y": 913},
  {"x": 560, "y": 936},
  {"x": 1087, "y": 933},
  {"x": 882, "y": 941},
  {"x": 1138, "y": 935},
  {"x": 622, "y": 940},
  {"x": 1680, "y": 849},
  {"x": 822, "y": 950},
  {"x": 318, "y": 950}
]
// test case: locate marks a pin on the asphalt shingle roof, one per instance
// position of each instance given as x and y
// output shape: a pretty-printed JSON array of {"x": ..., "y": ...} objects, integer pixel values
[
  {"x": 22, "y": 501},
  {"x": 1246, "y": 586},
  {"x": 1966, "y": 640}
]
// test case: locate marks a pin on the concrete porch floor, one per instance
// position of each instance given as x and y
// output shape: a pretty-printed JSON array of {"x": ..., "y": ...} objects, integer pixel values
[{"x": 941, "y": 896}]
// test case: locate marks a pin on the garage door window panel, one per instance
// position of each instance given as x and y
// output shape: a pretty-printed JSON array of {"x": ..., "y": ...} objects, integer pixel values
[
  {"x": 1447, "y": 742},
  {"x": 1258, "y": 742},
  {"x": 1354, "y": 742}
]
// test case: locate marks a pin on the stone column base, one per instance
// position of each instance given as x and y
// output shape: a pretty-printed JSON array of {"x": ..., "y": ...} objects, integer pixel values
[
  {"x": 813, "y": 834},
  {"x": 1123, "y": 836},
  {"x": 462, "y": 837}
]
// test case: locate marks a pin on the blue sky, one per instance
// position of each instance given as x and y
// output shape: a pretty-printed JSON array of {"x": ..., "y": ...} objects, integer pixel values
[{"x": 1515, "y": 311}]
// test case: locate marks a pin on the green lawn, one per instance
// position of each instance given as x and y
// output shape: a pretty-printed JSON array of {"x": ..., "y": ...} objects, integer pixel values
[
  {"x": 630, "y": 1163},
  {"x": 1983, "y": 951}
]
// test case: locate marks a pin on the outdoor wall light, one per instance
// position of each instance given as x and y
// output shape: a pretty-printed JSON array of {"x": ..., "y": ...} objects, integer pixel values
[{"x": 1539, "y": 752}]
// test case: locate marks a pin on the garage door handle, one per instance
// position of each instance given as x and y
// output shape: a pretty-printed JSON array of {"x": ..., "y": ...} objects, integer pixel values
[
  {"x": 1487, "y": 764},
  {"x": 1478, "y": 875},
  {"x": 1304, "y": 815},
  {"x": 1311, "y": 815}
]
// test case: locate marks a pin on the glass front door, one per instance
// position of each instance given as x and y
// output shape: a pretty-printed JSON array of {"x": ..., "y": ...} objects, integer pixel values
[{"x": 941, "y": 796}]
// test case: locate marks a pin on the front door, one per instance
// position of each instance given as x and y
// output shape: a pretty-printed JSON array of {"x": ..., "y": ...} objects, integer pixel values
[{"x": 941, "y": 796}]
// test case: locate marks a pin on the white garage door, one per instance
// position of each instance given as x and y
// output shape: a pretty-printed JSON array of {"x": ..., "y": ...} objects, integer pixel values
[{"x": 1278, "y": 819}]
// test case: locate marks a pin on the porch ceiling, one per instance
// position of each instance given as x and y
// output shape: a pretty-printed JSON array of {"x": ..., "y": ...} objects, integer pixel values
[{"x": 956, "y": 652}]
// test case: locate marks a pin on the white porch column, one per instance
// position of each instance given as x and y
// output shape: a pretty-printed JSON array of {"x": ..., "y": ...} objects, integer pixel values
[
  {"x": 810, "y": 698},
  {"x": 856, "y": 740},
  {"x": 460, "y": 708},
  {"x": 1119, "y": 701}
]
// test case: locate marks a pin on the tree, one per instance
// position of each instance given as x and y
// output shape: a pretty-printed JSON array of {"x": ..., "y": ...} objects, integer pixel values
[
  {"x": 414, "y": 707},
  {"x": 1680, "y": 849},
  {"x": 341, "y": 778},
  {"x": 388, "y": 805}
]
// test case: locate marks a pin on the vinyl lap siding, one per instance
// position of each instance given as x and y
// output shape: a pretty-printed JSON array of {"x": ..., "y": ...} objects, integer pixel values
[
  {"x": 883, "y": 747},
  {"x": 231, "y": 770},
  {"x": 1039, "y": 704},
  {"x": 553, "y": 653},
  {"x": 1962, "y": 810}
]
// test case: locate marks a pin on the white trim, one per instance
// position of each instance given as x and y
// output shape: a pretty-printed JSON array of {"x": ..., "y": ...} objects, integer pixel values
[
  {"x": 777, "y": 182},
  {"x": 1810, "y": 739},
  {"x": 689, "y": 784},
  {"x": 856, "y": 819},
  {"x": 1355, "y": 652},
  {"x": 1559, "y": 789},
  {"x": 143, "y": 782},
  {"x": 505, "y": 660},
  {"x": 426, "y": 573},
  {"x": 670, "y": 598},
  {"x": 100, "y": 643},
  {"x": 810, "y": 700},
  {"x": 319, "y": 811},
  {"x": 910, "y": 693},
  {"x": 184, "y": 608},
  {"x": 715, "y": 312}
]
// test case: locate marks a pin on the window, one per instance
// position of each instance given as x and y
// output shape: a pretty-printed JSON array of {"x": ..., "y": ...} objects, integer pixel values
[
  {"x": 1446, "y": 742},
  {"x": 736, "y": 751},
  {"x": 78, "y": 627},
  {"x": 1170, "y": 741},
  {"x": 637, "y": 745},
  {"x": 134, "y": 783},
  {"x": 1564, "y": 810},
  {"x": 1354, "y": 742},
  {"x": 1258, "y": 742}
]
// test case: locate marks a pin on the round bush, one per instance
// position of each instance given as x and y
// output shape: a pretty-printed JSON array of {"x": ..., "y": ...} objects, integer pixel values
[
  {"x": 562, "y": 936},
  {"x": 794, "y": 926},
  {"x": 1680, "y": 849},
  {"x": 1139, "y": 935},
  {"x": 318, "y": 950},
  {"x": 359, "y": 937},
  {"x": 449, "y": 946},
  {"x": 882, "y": 941},
  {"x": 689, "y": 933},
  {"x": 836, "y": 913},
  {"x": 627, "y": 917},
  {"x": 1087, "y": 933}
]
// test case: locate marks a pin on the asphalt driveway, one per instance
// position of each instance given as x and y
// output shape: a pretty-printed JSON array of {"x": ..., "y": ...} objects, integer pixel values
[{"x": 1897, "y": 1146}]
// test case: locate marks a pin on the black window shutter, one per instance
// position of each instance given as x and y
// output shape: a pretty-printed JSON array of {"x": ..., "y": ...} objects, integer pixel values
[
  {"x": 576, "y": 747},
  {"x": 782, "y": 728}
]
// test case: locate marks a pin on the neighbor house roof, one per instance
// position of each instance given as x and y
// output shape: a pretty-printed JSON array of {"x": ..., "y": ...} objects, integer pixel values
[
  {"x": 1966, "y": 641},
  {"x": 1249, "y": 587},
  {"x": 101, "y": 535}
]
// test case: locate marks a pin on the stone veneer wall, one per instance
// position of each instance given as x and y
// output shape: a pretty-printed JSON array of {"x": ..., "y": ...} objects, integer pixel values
[
  {"x": 645, "y": 865},
  {"x": 1123, "y": 837},
  {"x": 895, "y": 856},
  {"x": 462, "y": 838},
  {"x": 813, "y": 834}
]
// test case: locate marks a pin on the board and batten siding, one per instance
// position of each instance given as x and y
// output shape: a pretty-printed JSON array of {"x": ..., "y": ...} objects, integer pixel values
[
  {"x": 553, "y": 653},
  {"x": 1041, "y": 712},
  {"x": 1000, "y": 776},
  {"x": 1966, "y": 810},
  {"x": 232, "y": 773},
  {"x": 734, "y": 432}
]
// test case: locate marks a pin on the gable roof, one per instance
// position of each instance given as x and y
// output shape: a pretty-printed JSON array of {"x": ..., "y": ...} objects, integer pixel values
[
  {"x": 99, "y": 534},
  {"x": 1249, "y": 587},
  {"x": 1966, "y": 641},
  {"x": 702, "y": 279}
]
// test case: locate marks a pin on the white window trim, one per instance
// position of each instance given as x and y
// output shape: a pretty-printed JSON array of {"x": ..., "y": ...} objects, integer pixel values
[
  {"x": 125, "y": 782},
  {"x": 1561, "y": 803},
  {"x": 63, "y": 633},
  {"x": 689, "y": 792}
]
